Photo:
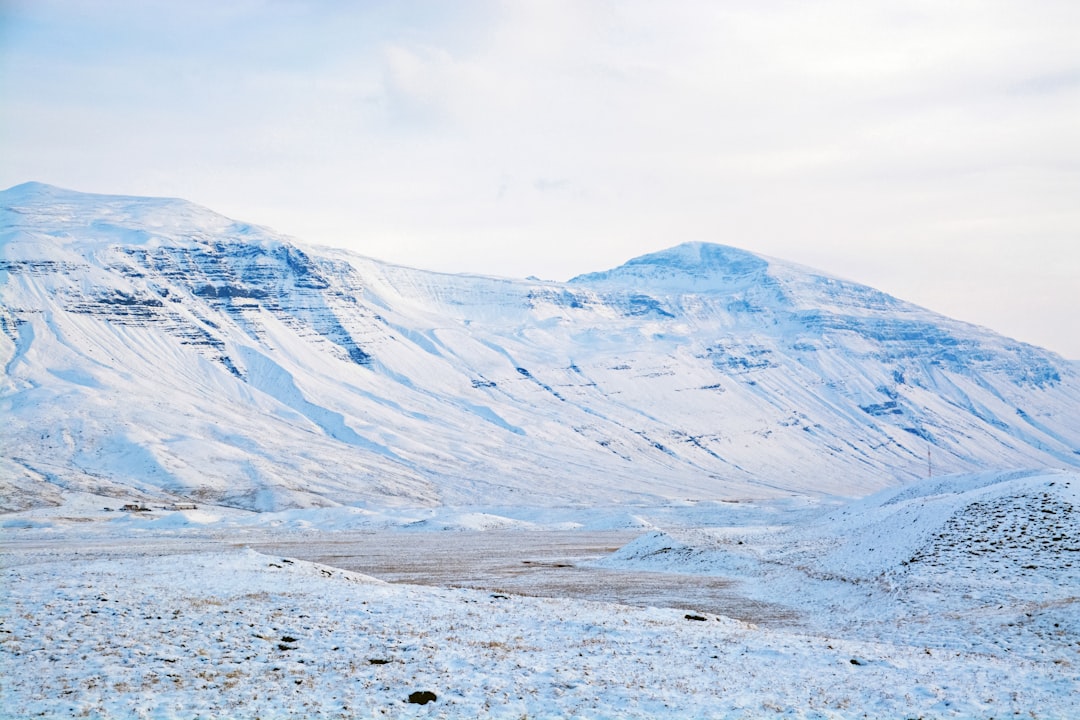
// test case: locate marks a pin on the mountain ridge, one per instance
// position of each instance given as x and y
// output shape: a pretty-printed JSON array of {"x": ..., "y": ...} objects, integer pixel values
[{"x": 213, "y": 359}]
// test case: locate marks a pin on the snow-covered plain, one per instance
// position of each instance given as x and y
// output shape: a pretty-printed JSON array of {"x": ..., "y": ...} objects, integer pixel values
[{"x": 953, "y": 597}]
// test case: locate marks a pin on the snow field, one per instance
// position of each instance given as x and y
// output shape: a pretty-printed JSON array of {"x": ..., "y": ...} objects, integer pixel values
[
  {"x": 241, "y": 634},
  {"x": 953, "y": 597}
]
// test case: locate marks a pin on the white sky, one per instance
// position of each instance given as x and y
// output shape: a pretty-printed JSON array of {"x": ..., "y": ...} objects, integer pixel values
[{"x": 929, "y": 149}]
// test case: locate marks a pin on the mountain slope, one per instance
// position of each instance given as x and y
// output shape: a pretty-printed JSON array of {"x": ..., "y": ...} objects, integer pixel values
[{"x": 152, "y": 346}]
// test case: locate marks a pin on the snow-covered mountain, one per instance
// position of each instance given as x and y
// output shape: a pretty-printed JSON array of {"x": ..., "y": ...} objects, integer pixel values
[{"x": 152, "y": 348}]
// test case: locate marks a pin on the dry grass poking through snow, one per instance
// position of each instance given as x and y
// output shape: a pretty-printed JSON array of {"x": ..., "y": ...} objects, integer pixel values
[{"x": 241, "y": 634}]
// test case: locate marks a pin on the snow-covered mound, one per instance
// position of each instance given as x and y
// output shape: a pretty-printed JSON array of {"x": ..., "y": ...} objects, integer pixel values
[
  {"x": 1020, "y": 524},
  {"x": 1013, "y": 524},
  {"x": 984, "y": 563},
  {"x": 155, "y": 350}
]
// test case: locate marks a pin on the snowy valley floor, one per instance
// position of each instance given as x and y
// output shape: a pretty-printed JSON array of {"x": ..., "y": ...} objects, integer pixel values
[{"x": 954, "y": 598}]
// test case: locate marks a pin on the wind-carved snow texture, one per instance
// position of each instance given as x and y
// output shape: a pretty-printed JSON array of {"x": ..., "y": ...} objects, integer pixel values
[{"x": 250, "y": 371}]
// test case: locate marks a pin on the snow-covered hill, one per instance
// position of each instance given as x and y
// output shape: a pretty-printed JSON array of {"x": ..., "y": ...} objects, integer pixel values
[
  {"x": 986, "y": 563},
  {"x": 152, "y": 348}
]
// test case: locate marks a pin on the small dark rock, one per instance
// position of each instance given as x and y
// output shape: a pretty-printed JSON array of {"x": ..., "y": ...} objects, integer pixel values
[{"x": 422, "y": 697}]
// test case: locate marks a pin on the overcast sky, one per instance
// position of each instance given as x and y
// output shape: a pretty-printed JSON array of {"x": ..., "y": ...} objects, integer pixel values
[{"x": 929, "y": 149}]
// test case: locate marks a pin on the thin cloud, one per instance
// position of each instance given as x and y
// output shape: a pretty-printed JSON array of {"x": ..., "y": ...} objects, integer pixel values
[{"x": 886, "y": 141}]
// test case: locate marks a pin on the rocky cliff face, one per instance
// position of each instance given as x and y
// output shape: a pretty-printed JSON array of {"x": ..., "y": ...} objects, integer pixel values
[{"x": 153, "y": 347}]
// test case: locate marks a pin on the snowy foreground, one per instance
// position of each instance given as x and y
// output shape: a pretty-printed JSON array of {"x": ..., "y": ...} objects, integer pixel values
[{"x": 958, "y": 597}]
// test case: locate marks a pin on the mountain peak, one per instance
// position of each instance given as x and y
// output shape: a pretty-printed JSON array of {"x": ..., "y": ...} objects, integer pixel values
[
  {"x": 34, "y": 190},
  {"x": 689, "y": 266},
  {"x": 75, "y": 216},
  {"x": 699, "y": 258},
  {"x": 36, "y": 193}
]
